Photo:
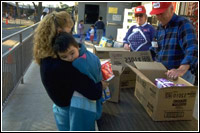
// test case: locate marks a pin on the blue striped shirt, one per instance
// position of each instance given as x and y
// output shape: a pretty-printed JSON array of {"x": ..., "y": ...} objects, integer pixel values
[{"x": 177, "y": 43}]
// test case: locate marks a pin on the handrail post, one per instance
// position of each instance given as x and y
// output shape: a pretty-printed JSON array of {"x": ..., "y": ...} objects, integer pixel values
[{"x": 22, "y": 61}]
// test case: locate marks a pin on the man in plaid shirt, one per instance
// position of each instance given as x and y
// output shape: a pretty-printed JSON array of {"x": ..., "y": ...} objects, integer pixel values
[{"x": 176, "y": 42}]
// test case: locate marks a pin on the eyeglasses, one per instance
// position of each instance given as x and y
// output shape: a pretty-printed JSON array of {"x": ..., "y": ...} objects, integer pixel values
[{"x": 139, "y": 15}]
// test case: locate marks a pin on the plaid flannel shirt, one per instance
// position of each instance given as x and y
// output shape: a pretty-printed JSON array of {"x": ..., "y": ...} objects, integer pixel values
[{"x": 177, "y": 44}]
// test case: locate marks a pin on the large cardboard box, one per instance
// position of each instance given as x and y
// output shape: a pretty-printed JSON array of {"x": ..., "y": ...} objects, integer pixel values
[
  {"x": 164, "y": 104},
  {"x": 124, "y": 78},
  {"x": 127, "y": 79},
  {"x": 103, "y": 52},
  {"x": 120, "y": 58}
]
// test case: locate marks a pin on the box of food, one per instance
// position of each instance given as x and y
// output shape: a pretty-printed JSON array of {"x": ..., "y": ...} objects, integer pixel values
[
  {"x": 166, "y": 103},
  {"x": 103, "y": 52}
]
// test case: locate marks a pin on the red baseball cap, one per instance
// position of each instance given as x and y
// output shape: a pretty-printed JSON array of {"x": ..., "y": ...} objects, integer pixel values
[
  {"x": 140, "y": 9},
  {"x": 159, "y": 7}
]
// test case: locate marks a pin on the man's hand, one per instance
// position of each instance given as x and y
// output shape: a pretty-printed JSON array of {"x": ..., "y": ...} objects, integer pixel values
[
  {"x": 126, "y": 46},
  {"x": 175, "y": 73}
]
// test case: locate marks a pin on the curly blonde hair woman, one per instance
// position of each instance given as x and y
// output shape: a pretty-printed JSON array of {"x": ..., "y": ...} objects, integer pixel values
[
  {"x": 48, "y": 28},
  {"x": 60, "y": 78}
]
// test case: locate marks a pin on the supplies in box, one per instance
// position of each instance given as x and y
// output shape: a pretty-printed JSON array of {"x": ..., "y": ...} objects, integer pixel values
[
  {"x": 118, "y": 44},
  {"x": 162, "y": 83},
  {"x": 114, "y": 84},
  {"x": 106, "y": 42},
  {"x": 106, "y": 70},
  {"x": 107, "y": 74},
  {"x": 103, "y": 42},
  {"x": 167, "y": 103}
]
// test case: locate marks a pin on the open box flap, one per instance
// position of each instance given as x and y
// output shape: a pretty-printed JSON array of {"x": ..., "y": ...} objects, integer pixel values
[
  {"x": 151, "y": 70},
  {"x": 140, "y": 74},
  {"x": 117, "y": 70},
  {"x": 150, "y": 66}
]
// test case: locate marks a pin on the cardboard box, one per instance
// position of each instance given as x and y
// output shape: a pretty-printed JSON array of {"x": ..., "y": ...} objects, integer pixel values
[
  {"x": 114, "y": 84},
  {"x": 128, "y": 77},
  {"x": 124, "y": 78},
  {"x": 120, "y": 58},
  {"x": 103, "y": 52},
  {"x": 164, "y": 104}
]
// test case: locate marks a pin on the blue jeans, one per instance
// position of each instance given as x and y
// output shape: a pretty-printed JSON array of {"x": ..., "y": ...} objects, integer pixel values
[
  {"x": 61, "y": 115},
  {"x": 83, "y": 113},
  {"x": 82, "y": 36},
  {"x": 99, "y": 35},
  {"x": 75, "y": 119},
  {"x": 188, "y": 76}
]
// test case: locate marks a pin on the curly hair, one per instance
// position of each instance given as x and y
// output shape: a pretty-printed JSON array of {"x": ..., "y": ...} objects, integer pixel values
[{"x": 45, "y": 33}]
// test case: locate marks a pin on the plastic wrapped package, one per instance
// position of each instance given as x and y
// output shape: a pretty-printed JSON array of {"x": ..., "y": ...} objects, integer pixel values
[
  {"x": 107, "y": 76},
  {"x": 162, "y": 83}
]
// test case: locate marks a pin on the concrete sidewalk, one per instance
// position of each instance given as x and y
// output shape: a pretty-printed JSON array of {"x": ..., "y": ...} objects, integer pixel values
[{"x": 29, "y": 108}]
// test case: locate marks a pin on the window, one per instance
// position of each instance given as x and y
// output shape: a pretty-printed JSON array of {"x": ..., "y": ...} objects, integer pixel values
[{"x": 91, "y": 14}]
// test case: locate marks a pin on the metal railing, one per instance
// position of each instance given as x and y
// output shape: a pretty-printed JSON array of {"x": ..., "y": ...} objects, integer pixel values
[{"x": 15, "y": 62}]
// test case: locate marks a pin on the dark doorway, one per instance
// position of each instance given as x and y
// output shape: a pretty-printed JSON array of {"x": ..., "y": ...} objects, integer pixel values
[{"x": 91, "y": 14}]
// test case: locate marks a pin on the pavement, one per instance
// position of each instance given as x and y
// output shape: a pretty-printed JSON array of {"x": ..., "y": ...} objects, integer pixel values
[{"x": 29, "y": 108}]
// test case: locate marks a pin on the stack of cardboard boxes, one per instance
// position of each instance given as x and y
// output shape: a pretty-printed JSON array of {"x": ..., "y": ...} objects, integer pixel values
[
  {"x": 124, "y": 76},
  {"x": 137, "y": 70}
]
